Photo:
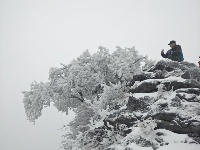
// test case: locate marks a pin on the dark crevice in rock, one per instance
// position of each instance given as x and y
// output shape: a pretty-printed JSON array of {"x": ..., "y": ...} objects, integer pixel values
[
  {"x": 175, "y": 85},
  {"x": 191, "y": 99},
  {"x": 189, "y": 91},
  {"x": 162, "y": 68},
  {"x": 137, "y": 104},
  {"x": 128, "y": 121},
  {"x": 164, "y": 116},
  {"x": 145, "y": 87},
  {"x": 140, "y": 78}
]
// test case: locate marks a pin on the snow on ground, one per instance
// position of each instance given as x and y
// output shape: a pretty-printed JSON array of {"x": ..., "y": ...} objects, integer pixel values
[
  {"x": 171, "y": 137},
  {"x": 180, "y": 146},
  {"x": 142, "y": 95},
  {"x": 136, "y": 147},
  {"x": 176, "y": 141}
]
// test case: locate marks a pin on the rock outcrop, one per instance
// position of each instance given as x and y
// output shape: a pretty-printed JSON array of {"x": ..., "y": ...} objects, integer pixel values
[{"x": 169, "y": 94}]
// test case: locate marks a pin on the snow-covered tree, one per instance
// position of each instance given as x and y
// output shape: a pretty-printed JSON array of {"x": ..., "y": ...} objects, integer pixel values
[{"x": 89, "y": 85}]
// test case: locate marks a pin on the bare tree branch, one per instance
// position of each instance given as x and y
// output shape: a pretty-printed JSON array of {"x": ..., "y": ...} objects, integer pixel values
[{"x": 81, "y": 99}]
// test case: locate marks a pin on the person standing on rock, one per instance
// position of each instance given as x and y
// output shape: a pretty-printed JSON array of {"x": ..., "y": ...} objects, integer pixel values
[
  {"x": 199, "y": 62},
  {"x": 175, "y": 53}
]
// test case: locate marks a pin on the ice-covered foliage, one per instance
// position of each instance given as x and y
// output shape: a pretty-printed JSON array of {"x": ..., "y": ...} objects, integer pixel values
[
  {"x": 113, "y": 95},
  {"x": 87, "y": 85},
  {"x": 122, "y": 101},
  {"x": 38, "y": 97}
]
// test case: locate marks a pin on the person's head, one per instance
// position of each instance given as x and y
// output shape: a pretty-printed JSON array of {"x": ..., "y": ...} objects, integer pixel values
[{"x": 172, "y": 43}]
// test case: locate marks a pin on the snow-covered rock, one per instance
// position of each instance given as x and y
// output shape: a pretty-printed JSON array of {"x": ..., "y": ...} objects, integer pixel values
[{"x": 162, "y": 111}]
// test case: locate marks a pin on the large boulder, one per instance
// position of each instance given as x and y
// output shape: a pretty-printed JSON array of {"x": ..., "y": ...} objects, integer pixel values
[
  {"x": 193, "y": 73},
  {"x": 174, "y": 85},
  {"x": 146, "y": 87},
  {"x": 151, "y": 86}
]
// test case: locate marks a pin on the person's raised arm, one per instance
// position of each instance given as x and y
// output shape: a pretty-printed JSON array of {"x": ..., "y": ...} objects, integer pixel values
[{"x": 163, "y": 54}]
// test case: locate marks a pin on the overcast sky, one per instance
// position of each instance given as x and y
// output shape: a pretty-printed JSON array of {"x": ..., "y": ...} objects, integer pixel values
[{"x": 38, "y": 34}]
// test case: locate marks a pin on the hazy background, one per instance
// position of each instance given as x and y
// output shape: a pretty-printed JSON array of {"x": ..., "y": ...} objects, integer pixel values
[{"x": 38, "y": 34}]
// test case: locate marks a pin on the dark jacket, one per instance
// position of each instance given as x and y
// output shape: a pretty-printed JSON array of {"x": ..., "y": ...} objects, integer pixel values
[
  {"x": 173, "y": 54},
  {"x": 199, "y": 62}
]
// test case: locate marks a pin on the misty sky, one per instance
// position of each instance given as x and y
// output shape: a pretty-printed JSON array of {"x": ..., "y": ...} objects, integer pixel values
[{"x": 38, "y": 34}]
